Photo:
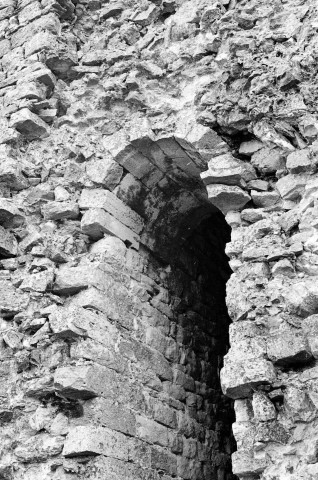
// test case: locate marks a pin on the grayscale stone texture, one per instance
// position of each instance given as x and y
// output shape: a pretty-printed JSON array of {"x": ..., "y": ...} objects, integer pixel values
[{"x": 158, "y": 240}]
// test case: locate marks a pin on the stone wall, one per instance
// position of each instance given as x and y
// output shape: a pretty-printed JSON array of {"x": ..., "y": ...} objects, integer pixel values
[{"x": 124, "y": 128}]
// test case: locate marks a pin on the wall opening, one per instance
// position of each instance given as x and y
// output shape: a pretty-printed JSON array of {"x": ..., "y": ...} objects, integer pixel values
[{"x": 193, "y": 274}]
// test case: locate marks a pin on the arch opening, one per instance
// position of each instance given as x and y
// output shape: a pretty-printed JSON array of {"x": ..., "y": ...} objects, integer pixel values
[{"x": 191, "y": 278}]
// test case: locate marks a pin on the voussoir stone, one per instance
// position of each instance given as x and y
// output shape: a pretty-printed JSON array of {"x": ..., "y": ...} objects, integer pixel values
[{"x": 98, "y": 198}]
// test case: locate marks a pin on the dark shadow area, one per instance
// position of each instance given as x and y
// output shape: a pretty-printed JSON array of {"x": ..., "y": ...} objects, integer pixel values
[{"x": 198, "y": 272}]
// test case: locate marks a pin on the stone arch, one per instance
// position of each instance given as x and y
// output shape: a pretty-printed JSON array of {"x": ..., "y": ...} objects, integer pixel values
[{"x": 157, "y": 254}]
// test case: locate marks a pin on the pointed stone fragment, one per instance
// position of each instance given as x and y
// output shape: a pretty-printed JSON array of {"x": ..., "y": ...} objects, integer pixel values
[{"x": 227, "y": 198}]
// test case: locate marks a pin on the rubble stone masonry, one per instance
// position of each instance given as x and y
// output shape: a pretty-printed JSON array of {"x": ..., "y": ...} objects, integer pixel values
[{"x": 158, "y": 240}]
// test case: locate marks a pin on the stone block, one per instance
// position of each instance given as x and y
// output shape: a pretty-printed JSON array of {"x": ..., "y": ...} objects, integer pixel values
[
  {"x": 302, "y": 298},
  {"x": 239, "y": 379},
  {"x": 38, "y": 282},
  {"x": 99, "y": 351},
  {"x": 309, "y": 126},
  {"x": 30, "y": 12},
  {"x": 148, "y": 359},
  {"x": 132, "y": 192},
  {"x": 268, "y": 160},
  {"x": 12, "y": 300},
  {"x": 41, "y": 74},
  {"x": 106, "y": 467},
  {"x": 284, "y": 267},
  {"x": 164, "y": 414},
  {"x": 273, "y": 431},
  {"x": 111, "y": 249},
  {"x": 39, "y": 448},
  {"x": 163, "y": 461},
  {"x": 5, "y": 47},
  {"x": 95, "y": 222},
  {"x": 60, "y": 210},
  {"x": 245, "y": 465},
  {"x": 288, "y": 348},
  {"x": 227, "y": 198},
  {"x": 258, "y": 185},
  {"x": 29, "y": 124},
  {"x": 300, "y": 161},
  {"x": 172, "y": 150},
  {"x": 127, "y": 156},
  {"x": 263, "y": 408},
  {"x": 152, "y": 432},
  {"x": 73, "y": 321},
  {"x": 310, "y": 329},
  {"x": 104, "y": 171},
  {"x": 11, "y": 215},
  {"x": 107, "y": 413},
  {"x": 98, "y": 198},
  {"x": 189, "y": 469},
  {"x": 8, "y": 243},
  {"x": 11, "y": 175},
  {"x": 112, "y": 10},
  {"x": 25, "y": 91},
  {"x": 183, "y": 380},
  {"x": 265, "y": 199},
  {"x": 83, "y": 382},
  {"x": 89, "y": 440},
  {"x": 227, "y": 170},
  {"x": 299, "y": 404},
  {"x": 70, "y": 280},
  {"x": 250, "y": 147},
  {"x": 146, "y": 17},
  {"x": 291, "y": 187},
  {"x": 114, "y": 301},
  {"x": 252, "y": 215}
]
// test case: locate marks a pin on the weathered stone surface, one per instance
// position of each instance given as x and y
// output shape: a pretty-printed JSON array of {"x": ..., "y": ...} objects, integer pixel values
[
  {"x": 140, "y": 99},
  {"x": 10, "y": 214},
  {"x": 264, "y": 199},
  {"x": 29, "y": 124},
  {"x": 82, "y": 381},
  {"x": 238, "y": 380},
  {"x": 105, "y": 172},
  {"x": 263, "y": 408},
  {"x": 60, "y": 210},
  {"x": 291, "y": 187},
  {"x": 73, "y": 322},
  {"x": 38, "y": 282},
  {"x": 288, "y": 348},
  {"x": 89, "y": 440},
  {"x": 8, "y": 243},
  {"x": 299, "y": 161},
  {"x": 227, "y": 170},
  {"x": 268, "y": 160},
  {"x": 302, "y": 298},
  {"x": 246, "y": 465},
  {"x": 111, "y": 415},
  {"x": 97, "y": 221},
  {"x": 227, "y": 198},
  {"x": 106, "y": 200},
  {"x": 248, "y": 148}
]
